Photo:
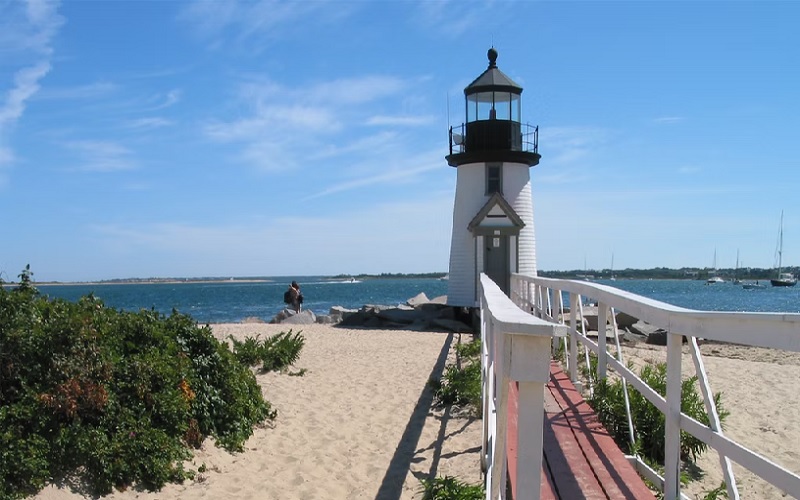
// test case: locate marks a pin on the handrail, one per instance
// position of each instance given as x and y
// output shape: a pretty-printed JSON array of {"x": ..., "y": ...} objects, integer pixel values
[
  {"x": 775, "y": 330},
  {"x": 515, "y": 348}
]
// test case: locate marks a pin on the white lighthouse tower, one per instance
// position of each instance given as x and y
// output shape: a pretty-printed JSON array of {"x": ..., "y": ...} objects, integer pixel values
[{"x": 493, "y": 212}]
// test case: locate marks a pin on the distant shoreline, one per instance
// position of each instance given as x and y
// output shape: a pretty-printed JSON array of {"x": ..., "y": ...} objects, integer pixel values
[{"x": 143, "y": 282}]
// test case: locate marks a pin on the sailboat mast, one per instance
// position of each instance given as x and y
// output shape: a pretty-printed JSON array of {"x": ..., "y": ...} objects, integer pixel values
[{"x": 780, "y": 248}]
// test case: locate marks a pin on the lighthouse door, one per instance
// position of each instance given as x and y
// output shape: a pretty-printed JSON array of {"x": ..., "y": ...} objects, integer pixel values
[{"x": 495, "y": 260}]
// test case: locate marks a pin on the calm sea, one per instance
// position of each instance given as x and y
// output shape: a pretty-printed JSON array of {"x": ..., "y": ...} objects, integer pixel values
[{"x": 231, "y": 302}]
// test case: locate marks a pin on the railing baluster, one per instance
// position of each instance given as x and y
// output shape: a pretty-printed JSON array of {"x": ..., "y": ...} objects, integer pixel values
[{"x": 672, "y": 434}]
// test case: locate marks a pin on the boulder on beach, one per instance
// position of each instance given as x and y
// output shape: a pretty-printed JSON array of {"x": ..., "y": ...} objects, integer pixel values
[
  {"x": 419, "y": 313},
  {"x": 290, "y": 317}
]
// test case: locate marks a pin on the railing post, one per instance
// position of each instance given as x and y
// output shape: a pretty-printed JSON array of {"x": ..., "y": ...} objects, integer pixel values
[
  {"x": 529, "y": 364},
  {"x": 573, "y": 338},
  {"x": 602, "y": 356},
  {"x": 672, "y": 437}
]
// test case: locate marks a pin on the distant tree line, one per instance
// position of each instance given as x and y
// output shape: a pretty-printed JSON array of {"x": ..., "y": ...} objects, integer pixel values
[
  {"x": 745, "y": 274},
  {"x": 390, "y": 276}
]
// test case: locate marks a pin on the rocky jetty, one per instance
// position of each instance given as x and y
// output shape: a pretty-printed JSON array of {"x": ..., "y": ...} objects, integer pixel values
[{"x": 419, "y": 313}]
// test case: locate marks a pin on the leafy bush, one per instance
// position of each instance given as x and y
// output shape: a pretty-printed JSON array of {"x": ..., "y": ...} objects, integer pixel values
[
  {"x": 281, "y": 351},
  {"x": 276, "y": 353},
  {"x": 608, "y": 401},
  {"x": 460, "y": 385},
  {"x": 450, "y": 488},
  {"x": 112, "y": 398}
]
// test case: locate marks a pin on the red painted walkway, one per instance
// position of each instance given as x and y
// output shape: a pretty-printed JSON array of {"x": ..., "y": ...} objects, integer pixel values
[{"x": 581, "y": 460}]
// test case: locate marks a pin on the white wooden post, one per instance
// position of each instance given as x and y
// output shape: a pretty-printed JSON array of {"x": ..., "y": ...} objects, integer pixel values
[
  {"x": 672, "y": 438},
  {"x": 530, "y": 365},
  {"x": 498, "y": 468},
  {"x": 602, "y": 356},
  {"x": 573, "y": 338}
]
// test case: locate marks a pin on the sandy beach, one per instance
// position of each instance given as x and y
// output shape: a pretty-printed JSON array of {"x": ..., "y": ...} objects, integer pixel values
[{"x": 358, "y": 424}]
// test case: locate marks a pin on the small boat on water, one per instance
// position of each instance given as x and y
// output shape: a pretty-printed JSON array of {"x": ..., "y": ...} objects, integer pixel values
[
  {"x": 752, "y": 286},
  {"x": 783, "y": 279},
  {"x": 714, "y": 279}
]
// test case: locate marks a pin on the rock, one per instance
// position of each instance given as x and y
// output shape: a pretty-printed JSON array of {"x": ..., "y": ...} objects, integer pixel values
[
  {"x": 625, "y": 320},
  {"x": 658, "y": 337},
  {"x": 325, "y": 319},
  {"x": 339, "y": 313},
  {"x": 452, "y": 325},
  {"x": 642, "y": 328},
  {"x": 355, "y": 319},
  {"x": 405, "y": 316},
  {"x": 372, "y": 322},
  {"x": 420, "y": 298},
  {"x": 306, "y": 317},
  {"x": 441, "y": 299}
]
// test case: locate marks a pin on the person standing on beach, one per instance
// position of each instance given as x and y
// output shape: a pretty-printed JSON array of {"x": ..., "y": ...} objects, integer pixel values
[{"x": 294, "y": 296}]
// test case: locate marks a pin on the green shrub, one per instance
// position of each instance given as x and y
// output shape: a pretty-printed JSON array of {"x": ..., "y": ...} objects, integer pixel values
[
  {"x": 608, "y": 401},
  {"x": 247, "y": 352},
  {"x": 460, "y": 385},
  {"x": 112, "y": 398},
  {"x": 470, "y": 350},
  {"x": 281, "y": 351},
  {"x": 275, "y": 353},
  {"x": 450, "y": 488}
]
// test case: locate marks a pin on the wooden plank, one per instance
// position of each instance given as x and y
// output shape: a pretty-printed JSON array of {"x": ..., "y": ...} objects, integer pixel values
[
  {"x": 616, "y": 476},
  {"x": 572, "y": 474}
]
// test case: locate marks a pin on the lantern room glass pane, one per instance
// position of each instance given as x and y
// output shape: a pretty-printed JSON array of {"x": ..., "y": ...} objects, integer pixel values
[
  {"x": 516, "y": 108},
  {"x": 502, "y": 102}
]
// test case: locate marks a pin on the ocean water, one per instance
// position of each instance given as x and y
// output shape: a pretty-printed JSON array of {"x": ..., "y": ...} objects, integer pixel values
[{"x": 231, "y": 302}]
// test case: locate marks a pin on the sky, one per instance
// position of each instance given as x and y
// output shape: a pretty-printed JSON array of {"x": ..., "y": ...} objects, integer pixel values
[{"x": 263, "y": 138}]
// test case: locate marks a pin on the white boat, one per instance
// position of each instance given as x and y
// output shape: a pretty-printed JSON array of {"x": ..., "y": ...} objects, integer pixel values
[
  {"x": 715, "y": 279},
  {"x": 783, "y": 279}
]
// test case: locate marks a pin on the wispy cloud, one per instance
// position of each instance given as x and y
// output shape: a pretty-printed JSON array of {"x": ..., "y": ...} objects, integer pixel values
[
  {"x": 403, "y": 121},
  {"x": 32, "y": 26},
  {"x": 256, "y": 24},
  {"x": 291, "y": 125},
  {"x": 668, "y": 119},
  {"x": 26, "y": 83},
  {"x": 101, "y": 156},
  {"x": 149, "y": 123},
  {"x": 405, "y": 170},
  {"x": 568, "y": 145},
  {"x": 163, "y": 101},
  {"x": 89, "y": 91}
]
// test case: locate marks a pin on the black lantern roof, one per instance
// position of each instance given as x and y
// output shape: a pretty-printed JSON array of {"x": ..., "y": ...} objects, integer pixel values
[{"x": 492, "y": 79}]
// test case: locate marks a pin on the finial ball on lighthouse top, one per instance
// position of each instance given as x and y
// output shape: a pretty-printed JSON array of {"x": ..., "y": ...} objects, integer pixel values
[{"x": 492, "y": 54}]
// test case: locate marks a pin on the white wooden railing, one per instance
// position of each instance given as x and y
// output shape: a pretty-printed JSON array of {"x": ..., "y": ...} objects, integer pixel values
[
  {"x": 516, "y": 347},
  {"x": 543, "y": 298}
]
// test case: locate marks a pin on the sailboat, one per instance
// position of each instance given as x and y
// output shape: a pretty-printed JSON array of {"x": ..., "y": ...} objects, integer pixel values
[
  {"x": 783, "y": 279},
  {"x": 715, "y": 278},
  {"x": 612, "y": 268},
  {"x": 736, "y": 270}
]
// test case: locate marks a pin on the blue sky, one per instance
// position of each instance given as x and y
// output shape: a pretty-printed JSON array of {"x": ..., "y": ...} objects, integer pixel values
[{"x": 171, "y": 138}]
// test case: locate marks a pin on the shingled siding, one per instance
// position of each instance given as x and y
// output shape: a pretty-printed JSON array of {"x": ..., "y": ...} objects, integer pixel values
[
  {"x": 517, "y": 192},
  {"x": 470, "y": 198}
]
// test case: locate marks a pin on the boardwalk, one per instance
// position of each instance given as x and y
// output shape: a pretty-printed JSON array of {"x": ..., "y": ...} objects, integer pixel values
[{"x": 580, "y": 459}]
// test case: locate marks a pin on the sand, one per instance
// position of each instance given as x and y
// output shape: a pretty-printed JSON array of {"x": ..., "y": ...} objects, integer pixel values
[{"x": 358, "y": 424}]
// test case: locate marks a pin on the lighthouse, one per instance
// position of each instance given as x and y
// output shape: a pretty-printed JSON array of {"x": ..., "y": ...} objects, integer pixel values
[{"x": 492, "y": 152}]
